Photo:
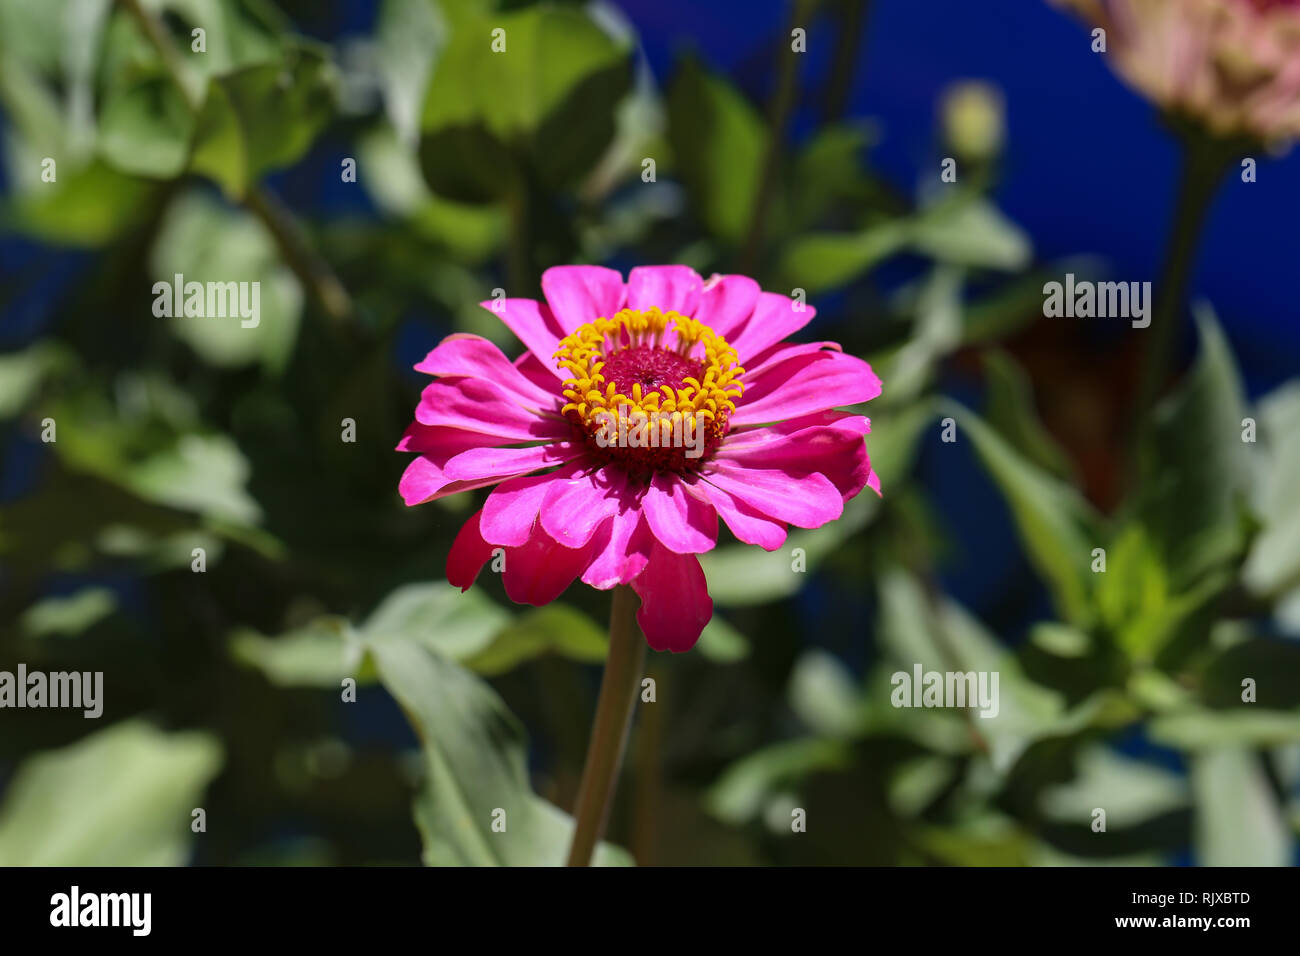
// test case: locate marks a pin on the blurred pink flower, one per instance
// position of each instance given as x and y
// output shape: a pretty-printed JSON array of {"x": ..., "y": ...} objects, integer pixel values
[
  {"x": 573, "y": 501},
  {"x": 1231, "y": 65}
]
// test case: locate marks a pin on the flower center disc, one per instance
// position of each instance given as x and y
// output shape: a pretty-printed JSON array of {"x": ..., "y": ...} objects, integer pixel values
[{"x": 651, "y": 391}]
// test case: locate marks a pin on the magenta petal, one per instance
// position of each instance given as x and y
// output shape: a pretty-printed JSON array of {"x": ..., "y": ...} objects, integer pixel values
[
  {"x": 581, "y": 294},
  {"x": 836, "y": 451},
  {"x": 807, "y": 501},
  {"x": 873, "y": 481},
  {"x": 423, "y": 481},
  {"x": 670, "y": 288},
  {"x": 477, "y": 405},
  {"x": 505, "y": 462},
  {"x": 675, "y": 602},
  {"x": 759, "y": 365},
  {"x": 511, "y": 509},
  {"x": 747, "y": 523},
  {"x": 535, "y": 326},
  {"x": 621, "y": 549},
  {"x": 531, "y": 368},
  {"x": 469, "y": 552},
  {"x": 575, "y": 507},
  {"x": 806, "y": 384},
  {"x": 441, "y": 442},
  {"x": 681, "y": 521},
  {"x": 539, "y": 571},
  {"x": 471, "y": 355},
  {"x": 775, "y": 317},
  {"x": 726, "y": 302}
]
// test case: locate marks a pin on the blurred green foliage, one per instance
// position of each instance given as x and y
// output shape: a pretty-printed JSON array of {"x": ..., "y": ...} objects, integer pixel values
[{"x": 224, "y": 688}]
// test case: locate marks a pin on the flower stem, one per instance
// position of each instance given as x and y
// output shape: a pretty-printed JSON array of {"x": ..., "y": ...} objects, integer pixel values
[
  {"x": 618, "y": 688},
  {"x": 1205, "y": 161},
  {"x": 783, "y": 104}
]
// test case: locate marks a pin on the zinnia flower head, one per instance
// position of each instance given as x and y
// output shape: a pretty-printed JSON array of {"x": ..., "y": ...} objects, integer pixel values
[
  {"x": 639, "y": 414},
  {"x": 1232, "y": 65}
]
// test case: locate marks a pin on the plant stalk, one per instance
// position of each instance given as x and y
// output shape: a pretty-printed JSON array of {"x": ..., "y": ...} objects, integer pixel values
[
  {"x": 1205, "y": 161},
  {"x": 624, "y": 666}
]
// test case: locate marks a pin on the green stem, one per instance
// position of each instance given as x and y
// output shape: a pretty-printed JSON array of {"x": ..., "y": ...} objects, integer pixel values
[
  {"x": 618, "y": 690},
  {"x": 1205, "y": 161},
  {"x": 782, "y": 106},
  {"x": 851, "y": 15}
]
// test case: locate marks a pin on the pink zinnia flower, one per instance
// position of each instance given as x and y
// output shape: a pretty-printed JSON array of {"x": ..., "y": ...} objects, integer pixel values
[
  {"x": 1233, "y": 65},
  {"x": 678, "y": 355}
]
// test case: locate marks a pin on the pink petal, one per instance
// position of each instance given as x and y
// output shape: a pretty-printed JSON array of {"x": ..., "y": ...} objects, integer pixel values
[
  {"x": 575, "y": 507},
  {"x": 675, "y": 602},
  {"x": 750, "y": 435},
  {"x": 469, "y": 552},
  {"x": 506, "y": 462},
  {"x": 441, "y": 442},
  {"x": 535, "y": 326},
  {"x": 836, "y": 451},
  {"x": 873, "y": 481},
  {"x": 747, "y": 523},
  {"x": 671, "y": 288},
  {"x": 539, "y": 571},
  {"x": 472, "y": 355},
  {"x": 424, "y": 480},
  {"x": 621, "y": 549},
  {"x": 807, "y": 384},
  {"x": 807, "y": 501},
  {"x": 581, "y": 294},
  {"x": 511, "y": 509},
  {"x": 726, "y": 302},
  {"x": 477, "y": 405},
  {"x": 531, "y": 368},
  {"x": 758, "y": 365},
  {"x": 775, "y": 317},
  {"x": 681, "y": 521}
]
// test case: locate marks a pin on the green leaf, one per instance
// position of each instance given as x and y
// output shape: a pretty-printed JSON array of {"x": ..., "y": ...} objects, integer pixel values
[
  {"x": 409, "y": 34},
  {"x": 741, "y": 574},
  {"x": 119, "y": 797},
  {"x": 321, "y": 654},
  {"x": 718, "y": 139},
  {"x": 1193, "y": 466},
  {"x": 722, "y": 643},
  {"x": 746, "y": 786},
  {"x": 964, "y": 232},
  {"x": 825, "y": 696},
  {"x": 69, "y": 615},
  {"x": 1057, "y": 526},
  {"x": 553, "y": 629},
  {"x": 972, "y": 233},
  {"x": 548, "y": 97},
  {"x": 824, "y": 260},
  {"x": 262, "y": 117},
  {"x": 1136, "y": 600},
  {"x": 1204, "y": 729},
  {"x": 438, "y": 616},
  {"x": 1238, "y": 820},
  {"x": 145, "y": 127},
  {"x": 1130, "y": 791},
  {"x": 474, "y": 761},
  {"x": 22, "y": 372},
  {"x": 1273, "y": 564},
  {"x": 1011, "y": 411}
]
